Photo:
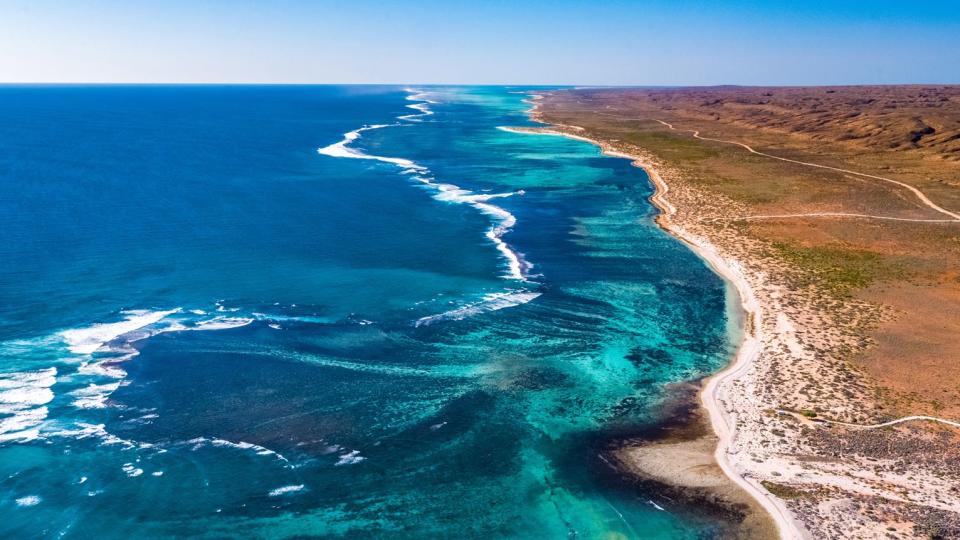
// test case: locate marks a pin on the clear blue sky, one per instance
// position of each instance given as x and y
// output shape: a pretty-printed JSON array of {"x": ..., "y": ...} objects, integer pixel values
[{"x": 491, "y": 41}]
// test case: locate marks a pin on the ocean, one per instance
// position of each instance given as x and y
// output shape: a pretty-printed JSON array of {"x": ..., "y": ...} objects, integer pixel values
[{"x": 359, "y": 311}]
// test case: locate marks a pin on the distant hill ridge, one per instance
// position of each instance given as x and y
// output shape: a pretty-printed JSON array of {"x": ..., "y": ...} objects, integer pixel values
[{"x": 907, "y": 117}]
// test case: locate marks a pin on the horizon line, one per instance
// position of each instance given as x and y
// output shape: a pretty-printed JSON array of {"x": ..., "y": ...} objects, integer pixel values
[{"x": 565, "y": 85}]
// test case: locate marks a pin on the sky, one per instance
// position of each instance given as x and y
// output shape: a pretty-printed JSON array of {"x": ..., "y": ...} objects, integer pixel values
[{"x": 578, "y": 42}]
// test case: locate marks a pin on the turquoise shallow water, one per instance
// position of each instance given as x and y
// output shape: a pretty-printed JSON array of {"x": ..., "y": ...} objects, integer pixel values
[{"x": 430, "y": 326}]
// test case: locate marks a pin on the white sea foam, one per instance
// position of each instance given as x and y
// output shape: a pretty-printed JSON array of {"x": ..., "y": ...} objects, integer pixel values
[
  {"x": 94, "y": 396},
  {"x": 518, "y": 267},
  {"x": 422, "y": 107},
  {"x": 490, "y": 302},
  {"x": 88, "y": 340},
  {"x": 27, "y": 387},
  {"x": 22, "y": 426},
  {"x": 341, "y": 150},
  {"x": 98, "y": 431},
  {"x": 23, "y": 394},
  {"x": 221, "y": 307},
  {"x": 285, "y": 490},
  {"x": 242, "y": 445},
  {"x": 418, "y": 95},
  {"x": 220, "y": 323},
  {"x": 22, "y": 399},
  {"x": 29, "y": 500},
  {"x": 131, "y": 470},
  {"x": 350, "y": 458},
  {"x": 19, "y": 347},
  {"x": 103, "y": 368}
]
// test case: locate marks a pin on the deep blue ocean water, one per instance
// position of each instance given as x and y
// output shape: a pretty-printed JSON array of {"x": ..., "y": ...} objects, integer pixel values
[{"x": 255, "y": 311}]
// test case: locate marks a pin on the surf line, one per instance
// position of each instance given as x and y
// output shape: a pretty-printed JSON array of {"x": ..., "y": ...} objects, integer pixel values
[{"x": 518, "y": 268}]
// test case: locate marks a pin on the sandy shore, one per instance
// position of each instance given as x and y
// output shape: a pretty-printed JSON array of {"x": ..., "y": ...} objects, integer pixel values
[{"x": 722, "y": 420}]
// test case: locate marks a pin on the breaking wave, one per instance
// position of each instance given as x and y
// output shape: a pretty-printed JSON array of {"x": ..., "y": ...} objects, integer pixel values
[{"x": 518, "y": 268}]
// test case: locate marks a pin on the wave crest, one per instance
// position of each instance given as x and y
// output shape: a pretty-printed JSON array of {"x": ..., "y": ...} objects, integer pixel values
[
  {"x": 490, "y": 302},
  {"x": 518, "y": 268}
]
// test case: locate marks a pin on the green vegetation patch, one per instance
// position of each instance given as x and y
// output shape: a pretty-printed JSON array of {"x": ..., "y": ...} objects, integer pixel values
[
  {"x": 670, "y": 146},
  {"x": 782, "y": 491},
  {"x": 839, "y": 269}
]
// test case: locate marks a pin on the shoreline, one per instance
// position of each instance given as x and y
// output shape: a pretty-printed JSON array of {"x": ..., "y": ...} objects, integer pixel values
[{"x": 722, "y": 423}]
